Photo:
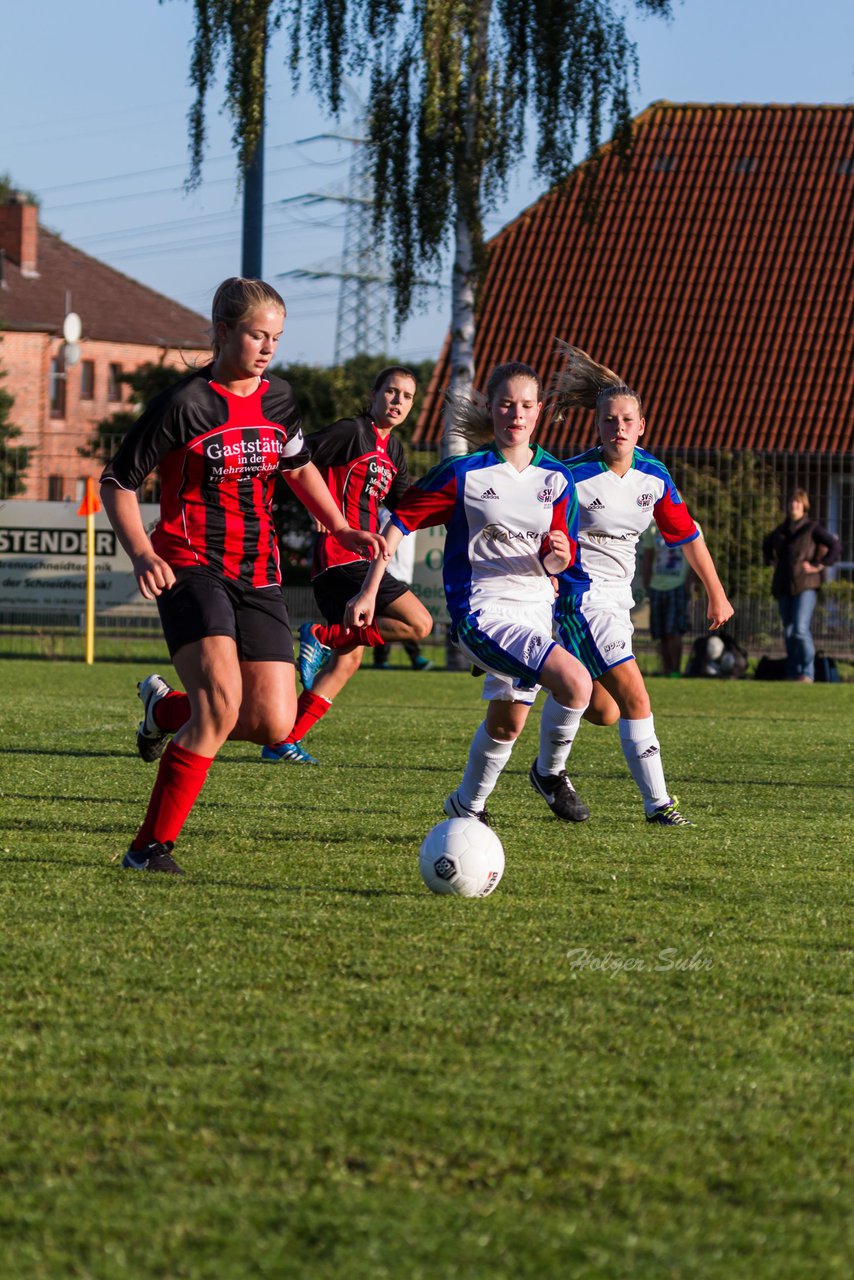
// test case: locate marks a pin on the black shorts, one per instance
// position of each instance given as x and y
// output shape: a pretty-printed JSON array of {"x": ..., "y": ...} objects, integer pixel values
[
  {"x": 335, "y": 587},
  {"x": 203, "y": 603}
]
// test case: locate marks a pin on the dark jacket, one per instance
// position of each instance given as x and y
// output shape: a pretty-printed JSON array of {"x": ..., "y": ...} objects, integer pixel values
[{"x": 792, "y": 544}]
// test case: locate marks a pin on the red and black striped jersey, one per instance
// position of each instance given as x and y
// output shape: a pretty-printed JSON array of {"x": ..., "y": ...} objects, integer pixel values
[
  {"x": 364, "y": 472},
  {"x": 219, "y": 455}
]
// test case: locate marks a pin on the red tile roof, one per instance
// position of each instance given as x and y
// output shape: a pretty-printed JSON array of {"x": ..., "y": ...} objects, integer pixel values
[
  {"x": 113, "y": 307},
  {"x": 718, "y": 281}
]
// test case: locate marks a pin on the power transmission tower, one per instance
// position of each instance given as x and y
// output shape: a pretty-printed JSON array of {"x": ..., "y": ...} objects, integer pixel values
[
  {"x": 362, "y": 325},
  {"x": 363, "y": 307}
]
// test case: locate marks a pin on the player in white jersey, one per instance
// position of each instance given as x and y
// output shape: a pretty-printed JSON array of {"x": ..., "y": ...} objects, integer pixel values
[
  {"x": 512, "y": 520},
  {"x": 621, "y": 489}
]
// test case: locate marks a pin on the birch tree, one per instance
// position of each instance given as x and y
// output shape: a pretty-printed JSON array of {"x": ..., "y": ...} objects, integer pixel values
[{"x": 456, "y": 89}]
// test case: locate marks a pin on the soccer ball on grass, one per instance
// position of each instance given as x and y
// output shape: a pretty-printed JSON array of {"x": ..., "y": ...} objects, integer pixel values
[{"x": 461, "y": 856}]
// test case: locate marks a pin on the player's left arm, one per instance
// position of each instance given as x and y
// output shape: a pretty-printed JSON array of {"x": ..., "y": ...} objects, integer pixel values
[
  {"x": 679, "y": 529},
  {"x": 311, "y": 489},
  {"x": 700, "y": 560}
]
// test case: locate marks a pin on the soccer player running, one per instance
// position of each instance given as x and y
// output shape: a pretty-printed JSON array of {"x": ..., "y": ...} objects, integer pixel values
[
  {"x": 364, "y": 465},
  {"x": 511, "y": 516},
  {"x": 219, "y": 437},
  {"x": 621, "y": 489}
]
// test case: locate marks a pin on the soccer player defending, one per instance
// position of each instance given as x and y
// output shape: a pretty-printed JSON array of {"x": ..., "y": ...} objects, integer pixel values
[
  {"x": 364, "y": 465},
  {"x": 621, "y": 489},
  {"x": 219, "y": 438},
  {"x": 512, "y": 519}
]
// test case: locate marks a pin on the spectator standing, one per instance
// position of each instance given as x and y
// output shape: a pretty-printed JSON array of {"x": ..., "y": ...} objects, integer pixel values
[
  {"x": 667, "y": 579},
  {"x": 800, "y": 551}
]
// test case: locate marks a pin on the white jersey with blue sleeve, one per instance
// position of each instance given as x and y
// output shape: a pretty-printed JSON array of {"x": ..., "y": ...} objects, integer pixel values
[
  {"x": 614, "y": 510},
  {"x": 498, "y": 520},
  {"x": 592, "y": 613}
]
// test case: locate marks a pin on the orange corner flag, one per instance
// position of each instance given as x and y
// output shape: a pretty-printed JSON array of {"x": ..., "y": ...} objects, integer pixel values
[{"x": 90, "y": 505}]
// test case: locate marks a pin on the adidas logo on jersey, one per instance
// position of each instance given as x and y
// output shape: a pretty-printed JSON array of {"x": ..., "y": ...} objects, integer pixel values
[
  {"x": 596, "y": 505},
  {"x": 490, "y": 493}
]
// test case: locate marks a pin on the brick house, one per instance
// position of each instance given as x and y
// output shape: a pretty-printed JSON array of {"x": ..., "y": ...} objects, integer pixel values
[
  {"x": 124, "y": 325},
  {"x": 718, "y": 278}
]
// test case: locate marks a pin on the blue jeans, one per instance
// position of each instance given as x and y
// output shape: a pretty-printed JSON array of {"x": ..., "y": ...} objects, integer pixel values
[{"x": 796, "y": 614}]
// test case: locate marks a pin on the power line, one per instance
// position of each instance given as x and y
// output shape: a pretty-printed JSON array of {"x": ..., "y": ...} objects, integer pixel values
[
  {"x": 171, "y": 168},
  {"x": 164, "y": 191}
]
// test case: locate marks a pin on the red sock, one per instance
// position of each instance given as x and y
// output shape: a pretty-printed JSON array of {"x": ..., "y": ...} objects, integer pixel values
[
  {"x": 338, "y": 638},
  {"x": 370, "y": 636},
  {"x": 172, "y": 711},
  {"x": 310, "y": 708},
  {"x": 180, "y": 778}
]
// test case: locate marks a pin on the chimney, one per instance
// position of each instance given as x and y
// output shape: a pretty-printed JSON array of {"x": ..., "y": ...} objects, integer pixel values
[{"x": 19, "y": 231}]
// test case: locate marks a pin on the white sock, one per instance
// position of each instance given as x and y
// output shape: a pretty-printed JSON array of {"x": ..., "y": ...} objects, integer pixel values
[
  {"x": 643, "y": 756},
  {"x": 486, "y": 760},
  {"x": 558, "y": 728}
]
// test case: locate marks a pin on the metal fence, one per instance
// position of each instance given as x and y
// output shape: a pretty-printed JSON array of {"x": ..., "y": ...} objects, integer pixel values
[{"x": 737, "y": 496}]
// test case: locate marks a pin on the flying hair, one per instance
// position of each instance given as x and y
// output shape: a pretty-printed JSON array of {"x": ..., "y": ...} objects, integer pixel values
[
  {"x": 582, "y": 383},
  {"x": 470, "y": 418}
]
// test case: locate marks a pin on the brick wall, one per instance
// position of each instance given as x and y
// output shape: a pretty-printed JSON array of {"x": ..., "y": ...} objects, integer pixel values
[{"x": 25, "y": 359}]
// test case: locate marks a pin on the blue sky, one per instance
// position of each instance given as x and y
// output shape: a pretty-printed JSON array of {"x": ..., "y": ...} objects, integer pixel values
[{"x": 94, "y": 100}]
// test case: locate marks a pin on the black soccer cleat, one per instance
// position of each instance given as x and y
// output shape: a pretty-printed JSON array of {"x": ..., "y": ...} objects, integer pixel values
[
  {"x": 153, "y": 857},
  {"x": 559, "y": 794}
]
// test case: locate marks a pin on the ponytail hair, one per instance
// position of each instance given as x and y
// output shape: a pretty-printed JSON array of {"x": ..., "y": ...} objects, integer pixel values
[
  {"x": 582, "y": 383},
  {"x": 236, "y": 299},
  {"x": 471, "y": 416}
]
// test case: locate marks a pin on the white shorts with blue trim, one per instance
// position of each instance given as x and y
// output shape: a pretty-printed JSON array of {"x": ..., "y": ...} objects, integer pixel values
[
  {"x": 510, "y": 643},
  {"x": 596, "y": 628}
]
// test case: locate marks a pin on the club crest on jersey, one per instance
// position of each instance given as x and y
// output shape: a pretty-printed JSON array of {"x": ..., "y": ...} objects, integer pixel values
[
  {"x": 645, "y": 500},
  {"x": 546, "y": 496}
]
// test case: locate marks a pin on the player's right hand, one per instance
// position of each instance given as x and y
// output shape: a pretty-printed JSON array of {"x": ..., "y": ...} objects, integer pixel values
[
  {"x": 360, "y": 611},
  {"x": 370, "y": 546},
  {"x": 153, "y": 575}
]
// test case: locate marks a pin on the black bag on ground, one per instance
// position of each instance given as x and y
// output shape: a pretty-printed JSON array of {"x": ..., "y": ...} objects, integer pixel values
[
  {"x": 826, "y": 670},
  {"x": 717, "y": 656},
  {"x": 770, "y": 668}
]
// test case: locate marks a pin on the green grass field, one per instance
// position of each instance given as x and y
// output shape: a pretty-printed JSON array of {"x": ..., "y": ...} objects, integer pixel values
[{"x": 631, "y": 1061}]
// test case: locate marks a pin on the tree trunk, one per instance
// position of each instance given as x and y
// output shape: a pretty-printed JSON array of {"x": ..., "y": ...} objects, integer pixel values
[
  {"x": 462, "y": 329},
  {"x": 468, "y": 231}
]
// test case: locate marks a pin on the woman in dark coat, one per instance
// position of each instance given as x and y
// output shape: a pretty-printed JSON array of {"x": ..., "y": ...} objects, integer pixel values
[{"x": 800, "y": 550}]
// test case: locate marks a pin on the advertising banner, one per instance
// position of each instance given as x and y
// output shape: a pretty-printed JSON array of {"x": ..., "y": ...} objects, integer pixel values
[
  {"x": 427, "y": 571},
  {"x": 43, "y": 560}
]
